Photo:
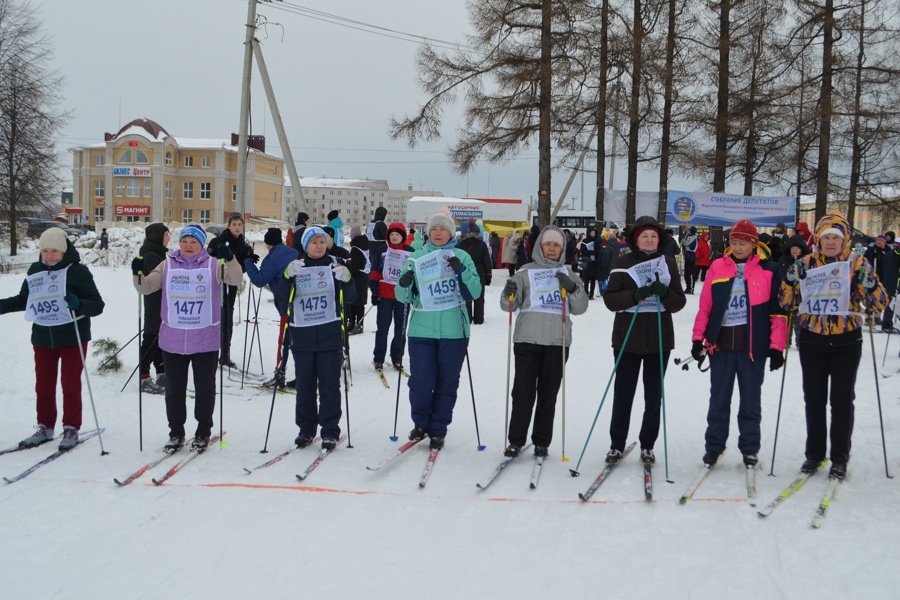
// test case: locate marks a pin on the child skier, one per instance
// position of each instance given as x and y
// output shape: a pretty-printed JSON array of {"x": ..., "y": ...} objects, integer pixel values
[
  {"x": 438, "y": 280},
  {"x": 190, "y": 334},
  {"x": 831, "y": 289},
  {"x": 538, "y": 338},
  {"x": 233, "y": 238},
  {"x": 388, "y": 266},
  {"x": 153, "y": 251},
  {"x": 58, "y": 295},
  {"x": 740, "y": 323},
  {"x": 311, "y": 292},
  {"x": 360, "y": 267}
]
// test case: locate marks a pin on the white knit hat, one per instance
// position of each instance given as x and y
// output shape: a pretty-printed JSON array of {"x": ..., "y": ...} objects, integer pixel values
[
  {"x": 53, "y": 238},
  {"x": 442, "y": 221}
]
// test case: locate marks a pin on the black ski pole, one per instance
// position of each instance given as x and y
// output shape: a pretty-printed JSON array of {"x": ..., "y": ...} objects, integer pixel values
[
  {"x": 344, "y": 360},
  {"x": 283, "y": 345},
  {"x": 463, "y": 320},
  {"x": 394, "y": 437},
  {"x": 87, "y": 380},
  {"x": 111, "y": 357},
  {"x": 222, "y": 312},
  {"x": 142, "y": 357},
  {"x": 878, "y": 396},
  {"x": 662, "y": 382},
  {"x": 140, "y": 360}
]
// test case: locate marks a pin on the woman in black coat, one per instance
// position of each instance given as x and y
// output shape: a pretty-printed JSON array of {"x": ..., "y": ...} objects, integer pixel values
[
  {"x": 360, "y": 267},
  {"x": 478, "y": 250}
]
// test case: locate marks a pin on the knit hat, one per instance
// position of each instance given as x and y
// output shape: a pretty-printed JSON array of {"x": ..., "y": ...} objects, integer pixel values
[
  {"x": 273, "y": 236},
  {"x": 881, "y": 236},
  {"x": 355, "y": 231},
  {"x": 309, "y": 234},
  {"x": 552, "y": 235},
  {"x": 744, "y": 231},
  {"x": 53, "y": 238},
  {"x": 195, "y": 231},
  {"x": 441, "y": 220},
  {"x": 693, "y": 229},
  {"x": 637, "y": 232},
  {"x": 329, "y": 230},
  {"x": 333, "y": 215},
  {"x": 833, "y": 223},
  {"x": 475, "y": 229},
  {"x": 302, "y": 218},
  {"x": 156, "y": 232}
]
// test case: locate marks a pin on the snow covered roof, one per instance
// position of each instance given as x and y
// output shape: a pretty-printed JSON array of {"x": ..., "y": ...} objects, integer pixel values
[{"x": 340, "y": 182}]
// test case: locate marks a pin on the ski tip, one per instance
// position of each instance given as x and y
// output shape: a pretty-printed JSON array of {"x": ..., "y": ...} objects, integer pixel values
[
  {"x": 482, "y": 448},
  {"x": 582, "y": 497},
  {"x": 7, "y": 480},
  {"x": 684, "y": 499},
  {"x": 248, "y": 471},
  {"x": 300, "y": 477},
  {"x": 534, "y": 487},
  {"x": 118, "y": 482},
  {"x": 574, "y": 473},
  {"x": 479, "y": 486}
]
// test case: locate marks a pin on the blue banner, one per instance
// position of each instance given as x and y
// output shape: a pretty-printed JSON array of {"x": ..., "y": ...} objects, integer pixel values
[{"x": 703, "y": 208}]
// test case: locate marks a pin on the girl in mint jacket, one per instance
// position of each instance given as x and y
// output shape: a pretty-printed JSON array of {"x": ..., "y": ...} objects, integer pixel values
[{"x": 438, "y": 281}]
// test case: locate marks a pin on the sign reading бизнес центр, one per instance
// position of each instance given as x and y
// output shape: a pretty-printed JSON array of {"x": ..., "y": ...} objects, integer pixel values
[{"x": 703, "y": 208}]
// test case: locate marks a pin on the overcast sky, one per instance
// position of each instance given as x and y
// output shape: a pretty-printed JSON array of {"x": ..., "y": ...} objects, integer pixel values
[{"x": 178, "y": 62}]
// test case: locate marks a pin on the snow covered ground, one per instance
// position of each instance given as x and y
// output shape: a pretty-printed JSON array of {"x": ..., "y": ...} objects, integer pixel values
[{"x": 69, "y": 531}]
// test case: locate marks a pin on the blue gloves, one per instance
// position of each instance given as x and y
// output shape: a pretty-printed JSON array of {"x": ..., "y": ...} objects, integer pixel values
[{"x": 73, "y": 302}]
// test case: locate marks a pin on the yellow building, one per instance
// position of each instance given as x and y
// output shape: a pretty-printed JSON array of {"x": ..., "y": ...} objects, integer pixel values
[
  {"x": 142, "y": 173},
  {"x": 870, "y": 217}
]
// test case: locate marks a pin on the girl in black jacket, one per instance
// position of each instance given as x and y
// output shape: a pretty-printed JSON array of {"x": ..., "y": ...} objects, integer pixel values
[{"x": 233, "y": 237}]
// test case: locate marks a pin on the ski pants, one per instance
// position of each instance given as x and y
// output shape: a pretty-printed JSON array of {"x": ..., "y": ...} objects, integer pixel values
[
  {"x": 689, "y": 276},
  {"x": 389, "y": 310},
  {"x": 228, "y": 320},
  {"x": 724, "y": 366},
  {"x": 318, "y": 371},
  {"x": 840, "y": 365},
  {"x": 203, "y": 366},
  {"x": 623, "y": 397},
  {"x": 46, "y": 366},
  {"x": 476, "y": 316},
  {"x": 150, "y": 352},
  {"x": 435, "y": 366},
  {"x": 539, "y": 372}
]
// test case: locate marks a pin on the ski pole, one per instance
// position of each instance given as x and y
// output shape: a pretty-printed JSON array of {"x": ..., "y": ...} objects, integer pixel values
[
  {"x": 344, "y": 361},
  {"x": 280, "y": 366},
  {"x": 221, "y": 347},
  {"x": 878, "y": 396},
  {"x": 142, "y": 357},
  {"x": 574, "y": 472},
  {"x": 662, "y": 383},
  {"x": 109, "y": 358},
  {"x": 781, "y": 393},
  {"x": 140, "y": 360},
  {"x": 563, "y": 354},
  {"x": 394, "y": 437},
  {"x": 463, "y": 317},
  {"x": 508, "y": 364},
  {"x": 246, "y": 326},
  {"x": 87, "y": 380}
]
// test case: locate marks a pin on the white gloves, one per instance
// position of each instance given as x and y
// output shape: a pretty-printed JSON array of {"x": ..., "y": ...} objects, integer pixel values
[{"x": 341, "y": 273}]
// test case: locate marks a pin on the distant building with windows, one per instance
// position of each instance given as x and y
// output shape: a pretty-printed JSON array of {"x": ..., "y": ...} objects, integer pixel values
[
  {"x": 142, "y": 173},
  {"x": 356, "y": 199}
]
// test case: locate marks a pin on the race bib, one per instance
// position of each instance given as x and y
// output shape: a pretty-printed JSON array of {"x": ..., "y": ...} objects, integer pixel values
[
  {"x": 189, "y": 297},
  {"x": 46, "y": 303},
  {"x": 394, "y": 265},
  {"x": 826, "y": 290},
  {"x": 644, "y": 273},
  {"x": 314, "y": 297},
  {"x": 436, "y": 281},
  {"x": 370, "y": 231},
  {"x": 545, "y": 295},
  {"x": 736, "y": 313}
]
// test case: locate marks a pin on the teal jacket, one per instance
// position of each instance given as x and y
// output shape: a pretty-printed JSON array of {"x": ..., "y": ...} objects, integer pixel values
[{"x": 442, "y": 324}]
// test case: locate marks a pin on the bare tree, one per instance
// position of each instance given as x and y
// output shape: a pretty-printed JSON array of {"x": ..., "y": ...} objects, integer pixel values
[{"x": 29, "y": 119}]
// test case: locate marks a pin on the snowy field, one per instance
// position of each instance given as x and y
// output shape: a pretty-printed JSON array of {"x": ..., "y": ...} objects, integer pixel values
[{"x": 213, "y": 530}]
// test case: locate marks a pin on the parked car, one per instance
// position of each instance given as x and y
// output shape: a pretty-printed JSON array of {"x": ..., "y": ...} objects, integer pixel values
[
  {"x": 36, "y": 228},
  {"x": 214, "y": 230}
]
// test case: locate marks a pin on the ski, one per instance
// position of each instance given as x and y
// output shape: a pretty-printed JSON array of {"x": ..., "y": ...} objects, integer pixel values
[
  {"x": 503, "y": 464},
  {"x": 698, "y": 480},
  {"x": 830, "y": 491},
  {"x": 648, "y": 481},
  {"x": 536, "y": 471},
  {"x": 21, "y": 447},
  {"x": 81, "y": 439},
  {"x": 318, "y": 460},
  {"x": 789, "y": 491},
  {"x": 402, "y": 371},
  {"x": 383, "y": 378},
  {"x": 150, "y": 465},
  {"x": 429, "y": 465},
  {"x": 400, "y": 451},
  {"x": 604, "y": 474},
  {"x": 280, "y": 457},
  {"x": 182, "y": 463}
]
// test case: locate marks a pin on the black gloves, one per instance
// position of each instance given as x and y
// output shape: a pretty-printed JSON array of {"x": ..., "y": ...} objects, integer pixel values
[
  {"x": 254, "y": 257},
  {"x": 375, "y": 299},
  {"x": 659, "y": 288},
  {"x": 408, "y": 278},
  {"x": 455, "y": 264},
  {"x": 642, "y": 293},
  {"x": 225, "y": 253},
  {"x": 73, "y": 302},
  {"x": 137, "y": 266},
  {"x": 510, "y": 288},
  {"x": 566, "y": 282},
  {"x": 698, "y": 350},
  {"x": 776, "y": 359}
]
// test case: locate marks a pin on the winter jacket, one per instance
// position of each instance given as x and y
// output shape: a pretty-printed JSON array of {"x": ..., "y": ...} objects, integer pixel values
[
  {"x": 619, "y": 297},
  {"x": 786, "y": 260},
  {"x": 152, "y": 254},
  {"x": 451, "y": 323},
  {"x": 360, "y": 267},
  {"x": 192, "y": 341},
  {"x": 337, "y": 224},
  {"x": 670, "y": 246},
  {"x": 80, "y": 282},
  {"x": 766, "y": 320},
  {"x": 539, "y": 327},
  {"x": 271, "y": 269},
  {"x": 327, "y": 336},
  {"x": 835, "y": 330},
  {"x": 478, "y": 250},
  {"x": 376, "y": 275},
  {"x": 238, "y": 245},
  {"x": 875, "y": 256},
  {"x": 689, "y": 246},
  {"x": 891, "y": 271},
  {"x": 496, "y": 252},
  {"x": 376, "y": 231},
  {"x": 703, "y": 252}
]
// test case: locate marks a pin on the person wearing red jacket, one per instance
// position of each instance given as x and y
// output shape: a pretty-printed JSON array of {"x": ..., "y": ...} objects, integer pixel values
[
  {"x": 388, "y": 265},
  {"x": 701, "y": 266}
]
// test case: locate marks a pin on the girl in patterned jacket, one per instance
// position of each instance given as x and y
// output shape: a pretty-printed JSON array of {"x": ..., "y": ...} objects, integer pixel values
[{"x": 831, "y": 289}]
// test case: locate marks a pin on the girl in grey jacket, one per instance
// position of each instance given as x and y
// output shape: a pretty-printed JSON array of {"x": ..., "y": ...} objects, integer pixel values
[{"x": 536, "y": 291}]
